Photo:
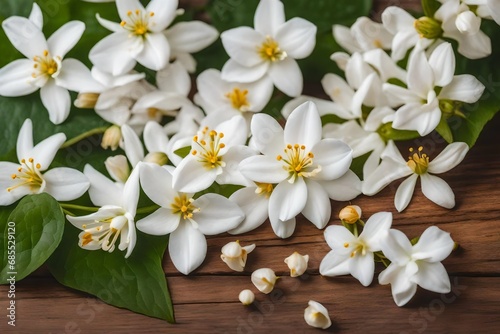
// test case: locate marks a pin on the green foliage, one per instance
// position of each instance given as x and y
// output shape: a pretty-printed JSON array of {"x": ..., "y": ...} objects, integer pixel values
[
  {"x": 430, "y": 7},
  {"x": 137, "y": 283},
  {"x": 38, "y": 229}
]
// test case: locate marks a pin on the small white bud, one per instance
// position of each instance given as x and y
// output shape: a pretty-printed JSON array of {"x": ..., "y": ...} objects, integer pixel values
[
  {"x": 111, "y": 138},
  {"x": 350, "y": 214},
  {"x": 316, "y": 315},
  {"x": 246, "y": 297},
  {"x": 468, "y": 23},
  {"x": 118, "y": 168},
  {"x": 158, "y": 158},
  {"x": 235, "y": 256},
  {"x": 297, "y": 264},
  {"x": 86, "y": 100},
  {"x": 264, "y": 279}
]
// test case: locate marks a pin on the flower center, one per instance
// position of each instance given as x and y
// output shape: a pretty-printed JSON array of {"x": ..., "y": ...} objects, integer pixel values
[
  {"x": 264, "y": 189},
  {"x": 182, "y": 205},
  {"x": 104, "y": 232},
  {"x": 359, "y": 249},
  {"x": 45, "y": 65},
  {"x": 270, "y": 50},
  {"x": 298, "y": 162},
  {"x": 207, "y": 148},
  {"x": 377, "y": 43},
  {"x": 418, "y": 161},
  {"x": 138, "y": 22},
  {"x": 27, "y": 175},
  {"x": 238, "y": 99}
]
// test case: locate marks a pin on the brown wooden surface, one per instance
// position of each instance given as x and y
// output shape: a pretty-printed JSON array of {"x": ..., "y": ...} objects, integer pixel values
[{"x": 207, "y": 300}]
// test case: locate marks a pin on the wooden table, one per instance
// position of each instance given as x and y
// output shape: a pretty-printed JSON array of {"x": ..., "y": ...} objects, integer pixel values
[{"x": 207, "y": 300}]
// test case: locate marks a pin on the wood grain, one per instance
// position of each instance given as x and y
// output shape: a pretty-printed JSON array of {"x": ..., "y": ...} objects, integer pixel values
[{"x": 206, "y": 301}]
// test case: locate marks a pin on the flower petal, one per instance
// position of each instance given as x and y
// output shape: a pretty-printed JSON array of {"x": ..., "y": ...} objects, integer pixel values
[
  {"x": 386, "y": 172},
  {"x": 400, "y": 95},
  {"x": 449, "y": 158},
  {"x": 402, "y": 288},
  {"x": 160, "y": 222},
  {"x": 345, "y": 188},
  {"x": 36, "y": 16},
  {"x": 156, "y": 52},
  {"x": 432, "y": 277},
  {"x": 241, "y": 44},
  {"x": 102, "y": 190},
  {"x": 233, "y": 71},
  {"x": 376, "y": 230},
  {"x": 262, "y": 168},
  {"x": 191, "y": 176},
  {"x": 464, "y": 87},
  {"x": 191, "y": 36},
  {"x": 187, "y": 248},
  {"x": 217, "y": 214},
  {"x": 124, "y": 6},
  {"x": 334, "y": 264},
  {"x": 420, "y": 74},
  {"x": 334, "y": 156},
  {"x": 110, "y": 25},
  {"x": 112, "y": 54},
  {"x": 318, "y": 209},
  {"x": 287, "y": 76},
  {"x": 289, "y": 198},
  {"x": 267, "y": 135},
  {"x": 434, "y": 245},
  {"x": 65, "y": 184},
  {"x": 131, "y": 192},
  {"x": 232, "y": 158},
  {"x": 303, "y": 127},
  {"x": 442, "y": 62},
  {"x": 164, "y": 13},
  {"x": 437, "y": 190},
  {"x": 297, "y": 37},
  {"x": 362, "y": 267},
  {"x": 269, "y": 16},
  {"x": 25, "y": 141},
  {"x": 282, "y": 229},
  {"x": 15, "y": 78},
  {"x": 156, "y": 182},
  {"x": 45, "y": 151},
  {"x": 132, "y": 145},
  {"x": 396, "y": 247},
  {"x": 57, "y": 101},
  {"x": 419, "y": 117},
  {"x": 65, "y": 38},
  {"x": 72, "y": 69},
  {"x": 405, "y": 192},
  {"x": 174, "y": 78},
  {"x": 474, "y": 46},
  {"x": 338, "y": 90},
  {"x": 25, "y": 36},
  {"x": 336, "y": 236},
  {"x": 9, "y": 197},
  {"x": 255, "y": 207}
]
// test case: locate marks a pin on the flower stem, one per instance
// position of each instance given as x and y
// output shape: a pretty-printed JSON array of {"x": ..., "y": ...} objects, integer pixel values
[
  {"x": 69, "y": 213},
  {"x": 148, "y": 209},
  {"x": 79, "y": 207},
  {"x": 84, "y": 135}
]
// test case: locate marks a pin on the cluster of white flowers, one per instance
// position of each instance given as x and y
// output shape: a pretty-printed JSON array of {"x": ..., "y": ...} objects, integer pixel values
[{"x": 280, "y": 172}]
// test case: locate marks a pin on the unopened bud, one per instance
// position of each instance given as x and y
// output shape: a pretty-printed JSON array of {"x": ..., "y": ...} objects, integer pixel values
[
  {"x": 111, "y": 138},
  {"x": 246, "y": 297},
  {"x": 468, "y": 23},
  {"x": 86, "y": 100},
  {"x": 118, "y": 168},
  {"x": 235, "y": 256},
  {"x": 316, "y": 315},
  {"x": 297, "y": 264},
  {"x": 159, "y": 158},
  {"x": 350, "y": 214},
  {"x": 428, "y": 27},
  {"x": 264, "y": 279}
]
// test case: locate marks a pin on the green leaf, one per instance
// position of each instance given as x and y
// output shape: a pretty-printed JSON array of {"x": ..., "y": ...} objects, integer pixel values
[
  {"x": 358, "y": 164},
  {"x": 387, "y": 132},
  {"x": 137, "y": 283},
  {"x": 16, "y": 110},
  {"x": 430, "y": 7},
  {"x": 183, "y": 151},
  {"x": 444, "y": 130},
  {"x": 37, "y": 230}
]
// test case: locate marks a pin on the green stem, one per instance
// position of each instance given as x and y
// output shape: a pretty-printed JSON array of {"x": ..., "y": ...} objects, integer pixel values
[
  {"x": 79, "y": 207},
  {"x": 69, "y": 213},
  {"x": 84, "y": 135},
  {"x": 147, "y": 209}
]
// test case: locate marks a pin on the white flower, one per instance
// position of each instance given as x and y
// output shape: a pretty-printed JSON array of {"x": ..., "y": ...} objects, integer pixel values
[
  {"x": 215, "y": 155},
  {"x": 27, "y": 177},
  {"x": 111, "y": 138},
  {"x": 400, "y": 23},
  {"x": 264, "y": 279},
  {"x": 222, "y": 100},
  {"x": 270, "y": 49},
  {"x": 393, "y": 167},
  {"x": 246, "y": 297},
  {"x": 187, "y": 220},
  {"x": 115, "y": 217},
  {"x": 118, "y": 168},
  {"x": 297, "y": 264},
  {"x": 155, "y": 140},
  {"x": 44, "y": 68},
  {"x": 235, "y": 256},
  {"x": 416, "y": 265},
  {"x": 316, "y": 315},
  {"x": 307, "y": 170},
  {"x": 364, "y": 35},
  {"x": 421, "y": 110},
  {"x": 462, "y": 25},
  {"x": 138, "y": 38},
  {"x": 353, "y": 254}
]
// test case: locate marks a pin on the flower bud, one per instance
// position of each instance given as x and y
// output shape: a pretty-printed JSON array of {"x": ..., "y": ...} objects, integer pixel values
[
  {"x": 350, "y": 214},
  {"x": 235, "y": 256},
  {"x": 468, "y": 23},
  {"x": 86, "y": 100},
  {"x": 111, "y": 138},
  {"x": 428, "y": 27},
  {"x": 316, "y": 315},
  {"x": 159, "y": 158},
  {"x": 264, "y": 279},
  {"x": 246, "y": 297},
  {"x": 297, "y": 264},
  {"x": 118, "y": 168}
]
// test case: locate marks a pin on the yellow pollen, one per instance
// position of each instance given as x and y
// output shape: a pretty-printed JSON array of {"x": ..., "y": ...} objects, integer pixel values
[
  {"x": 346, "y": 245},
  {"x": 45, "y": 53},
  {"x": 123, "y": 23},
  {"x": 270, "y": 51},
  {"x": 86, "y": 239},
  {"x": 194, "y": 152},
  {"x": 418, "y": 161},
  {"x": 377, "y": 43},
  {"x": 221, "y": 135},
  {"x": 239, "y": 99},
  {"x": 183, "y": 206},
  {"x": 138, "y": 22},
  {"x": 44, "y": 66},
  {"x": 13, "y": 176},
  {"x": 279, "y": 158},
  {"x": 129, "y": 13},
  {"x": 27, "y": 176},
  {"x": 30, "y": 159},
  {"x": 298, "y": 162},
  {"x": 152, "y": 14}
]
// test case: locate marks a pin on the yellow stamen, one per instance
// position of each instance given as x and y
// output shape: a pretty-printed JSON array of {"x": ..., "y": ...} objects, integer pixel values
[
  {"x": 183, "y": 206},
  {"x": 418, "y": 161},
  {"x": 270, "y": 51},
  {"x": 239, "y": 99}
]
